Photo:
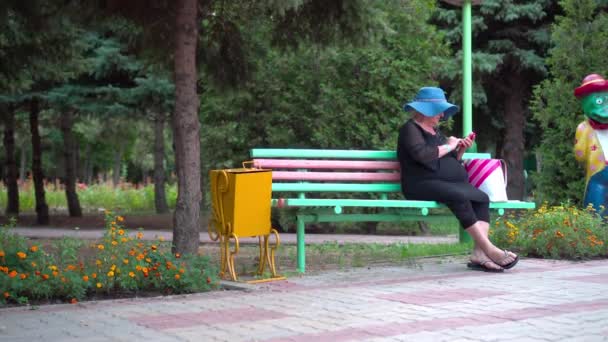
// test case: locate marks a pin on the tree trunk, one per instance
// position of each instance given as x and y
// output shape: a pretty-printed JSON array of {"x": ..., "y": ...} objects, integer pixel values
[
  {"x": 42, "y": 209},
  {"x": 513, "y": 145},
  {"x": 88, "y": 165},
  {"x": 22, "y": 163},
  {"x": 12, "y": 205},
  {"x": 116, "y": 169},
  {"x": 186, "y": 219},
  {"x": 67, "y": 118},
  {"x": 160, "y": 198}
]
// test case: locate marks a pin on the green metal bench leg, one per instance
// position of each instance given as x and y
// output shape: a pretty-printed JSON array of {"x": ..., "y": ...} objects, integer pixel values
[{"x": 301, "y": 246}]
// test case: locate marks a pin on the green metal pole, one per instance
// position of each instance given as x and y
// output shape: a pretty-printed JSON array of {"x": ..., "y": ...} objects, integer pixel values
[
  {"x": 467, "y": 86},
  {"x": 301, "y": 246},
  {"x": 467, "y": 74}
]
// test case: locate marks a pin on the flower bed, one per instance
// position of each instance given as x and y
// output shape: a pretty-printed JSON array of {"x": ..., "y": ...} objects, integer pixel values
[
  {"x": 121, "y": 263},
  {"x": 558, "y": 232}
]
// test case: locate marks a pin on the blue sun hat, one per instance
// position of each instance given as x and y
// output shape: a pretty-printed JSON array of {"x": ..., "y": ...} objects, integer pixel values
[{"x": 431, "y": 101}]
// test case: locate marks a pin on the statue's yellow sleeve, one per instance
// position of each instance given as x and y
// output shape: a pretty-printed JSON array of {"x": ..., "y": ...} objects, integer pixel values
[{"x": 581, "y": 141}]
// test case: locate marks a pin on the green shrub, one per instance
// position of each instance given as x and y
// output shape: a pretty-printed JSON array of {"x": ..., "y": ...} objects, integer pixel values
[
  {"x": 120, "y": 262},
  {"x": 558, "y": 232}
]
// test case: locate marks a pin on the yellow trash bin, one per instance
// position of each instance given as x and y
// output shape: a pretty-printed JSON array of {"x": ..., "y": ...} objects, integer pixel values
[{"x": 241, "y": 208}]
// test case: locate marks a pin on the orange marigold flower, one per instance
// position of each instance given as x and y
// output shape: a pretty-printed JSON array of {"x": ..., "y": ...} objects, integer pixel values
[
  {"x": 2, "y": 255},
  {"x": 181, "y": 270},
  {"x": 114, "y": 242},
  {"x": 100, "y": 247},
  {"x": 131, "y": 274},
  {"x": 55, "y": 273},
  {"x": 23, "y": 276},
  {"x": 177, "y": 276},
  {"x": 153, "y": 247},
  {"x": 71, "y": 267},
  {"x": 12, "y": 274},
  {"x": 559, "y": 234},
  {"x": 34, "y": 248},
  {"x": 148, "y": 260},
  {"x": 85, "y": 277},
  {"x": 140, "y": 235},
  {"x": 73, "y": 301},
  {"x": 177, "y": 255},
  {"x": 21, "y": 255},
  {"x": 120, "y": 218},
  {"x": 111, "y": 274},
  {"x": 37, "y": 273},
  {"x": 138, "y": 268},
  {"x": 34, "y": 264},
  {"x": 113, "y": 223},
  {"x": 125, "y": 261},
  {"x": 140, "y": 256},
  {"x": 6, "y": 294},
  {"x": 121, "y": 232},
  {"x": 94, "y": 275},
  {"x": 145, "y": 274},
  {"x": 144, "y": 269},
  {"x": 45, "y": 276},
  {"x": 124, "y": 239}
]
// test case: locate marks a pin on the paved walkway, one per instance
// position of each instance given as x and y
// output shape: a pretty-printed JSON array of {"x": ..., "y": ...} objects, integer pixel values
[
  {"x": 433, "y": 300},
  {"x": 286, "y": 238}
]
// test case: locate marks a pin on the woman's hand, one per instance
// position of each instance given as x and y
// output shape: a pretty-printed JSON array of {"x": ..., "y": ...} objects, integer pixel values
[
  {"x": 465, "y": 143},
  {"x": 454, "y": 142}
]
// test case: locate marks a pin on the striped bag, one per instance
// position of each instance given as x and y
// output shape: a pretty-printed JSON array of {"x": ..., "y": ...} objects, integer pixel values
[{"x": 489, "y": 176}]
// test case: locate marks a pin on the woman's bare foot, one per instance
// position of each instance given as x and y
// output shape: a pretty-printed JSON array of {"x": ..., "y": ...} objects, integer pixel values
[
  {"x": 480, "y": 258},
  {"x": 502, "y": 257}
]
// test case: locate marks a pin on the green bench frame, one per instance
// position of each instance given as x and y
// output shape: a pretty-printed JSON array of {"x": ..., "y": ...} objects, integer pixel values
[{"x": 337, "y": 209}]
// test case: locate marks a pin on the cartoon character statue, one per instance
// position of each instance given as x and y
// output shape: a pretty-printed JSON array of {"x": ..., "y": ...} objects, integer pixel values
[{"x": 591, "y": 144}]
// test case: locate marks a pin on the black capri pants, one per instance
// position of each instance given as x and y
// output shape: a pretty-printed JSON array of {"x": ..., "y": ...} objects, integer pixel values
[{"x": 466, "y": 202}]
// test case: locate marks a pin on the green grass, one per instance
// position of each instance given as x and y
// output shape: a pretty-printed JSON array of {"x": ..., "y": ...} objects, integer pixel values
[
  {"x": 334, "y": 255},
  {"x": 125, "y": 198}
]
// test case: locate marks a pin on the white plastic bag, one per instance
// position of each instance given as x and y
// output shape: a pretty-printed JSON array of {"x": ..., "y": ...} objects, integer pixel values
[{"x": 489, "y": 176}]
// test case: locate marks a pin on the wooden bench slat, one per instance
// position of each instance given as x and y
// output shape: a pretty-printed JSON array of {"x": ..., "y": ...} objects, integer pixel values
[
  {"x": 371, "y": 203},
  {"x": 310, "y": 153},
  {"x": 339, "y": 154},
  {"x": 336, "y": 187},
  {"x": 379, "y": 203},
  {"x": 325, "y": 164},
  {"x": 337, "y": 176}
]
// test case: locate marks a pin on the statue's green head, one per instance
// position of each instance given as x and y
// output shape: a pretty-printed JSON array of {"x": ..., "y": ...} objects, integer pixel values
[{"x": 594, "y": 95}]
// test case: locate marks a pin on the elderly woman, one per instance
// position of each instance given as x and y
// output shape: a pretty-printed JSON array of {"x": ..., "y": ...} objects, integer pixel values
[{"x": 431, "y": 170}]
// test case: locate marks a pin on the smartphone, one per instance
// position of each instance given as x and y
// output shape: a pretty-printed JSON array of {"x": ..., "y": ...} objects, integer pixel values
[{"x": 471, "y": 136}]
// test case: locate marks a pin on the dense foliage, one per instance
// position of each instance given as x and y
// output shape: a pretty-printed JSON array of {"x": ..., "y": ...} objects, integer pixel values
[
  {"x": 578, "y": 50},
  {"x": 339, "y": 97}
]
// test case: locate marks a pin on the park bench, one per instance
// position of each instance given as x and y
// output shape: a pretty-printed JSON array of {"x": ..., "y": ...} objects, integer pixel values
[{"x": 335, "y": 186}]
